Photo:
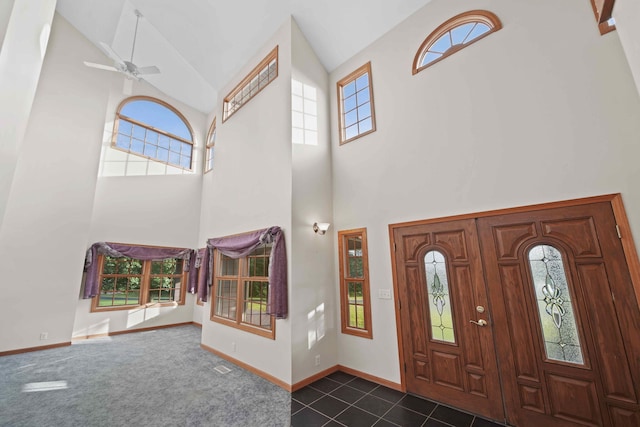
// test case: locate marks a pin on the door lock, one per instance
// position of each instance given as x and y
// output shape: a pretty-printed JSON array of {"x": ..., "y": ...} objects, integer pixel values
[{"x": 480, "y": 322}]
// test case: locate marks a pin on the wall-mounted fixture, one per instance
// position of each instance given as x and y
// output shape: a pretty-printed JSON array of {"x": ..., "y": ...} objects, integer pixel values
[{"x": 321, "y": 227}]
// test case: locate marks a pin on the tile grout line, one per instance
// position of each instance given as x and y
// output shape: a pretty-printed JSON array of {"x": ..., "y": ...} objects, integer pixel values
[
  {"x": 369, "y": 393},
  {"x": 353, "y": 404},
  {"x": 348, "y": 383}
]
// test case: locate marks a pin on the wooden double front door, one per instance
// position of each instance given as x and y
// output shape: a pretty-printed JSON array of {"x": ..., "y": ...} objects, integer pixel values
[{"x": 527, "y": 317}]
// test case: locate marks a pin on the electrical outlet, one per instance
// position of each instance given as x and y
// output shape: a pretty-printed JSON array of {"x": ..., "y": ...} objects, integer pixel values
[
  {"x": 317, "y": 360},
  {"x": 384, "y": 294},
  {"x": 233, "y": 347},
  {"x": 44, "y": 335}
]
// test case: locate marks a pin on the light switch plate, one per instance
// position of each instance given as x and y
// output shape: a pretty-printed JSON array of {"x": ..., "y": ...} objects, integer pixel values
[{"x": 384, "y": 294}]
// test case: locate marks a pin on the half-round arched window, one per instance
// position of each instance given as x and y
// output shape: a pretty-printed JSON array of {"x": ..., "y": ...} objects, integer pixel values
[
  {"x": 151, "y": 128},
  {"x": 453, "y": 35}
]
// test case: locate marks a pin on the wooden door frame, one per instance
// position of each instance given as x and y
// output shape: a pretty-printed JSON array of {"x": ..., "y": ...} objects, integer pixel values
[{"x": 619, "y": 213}]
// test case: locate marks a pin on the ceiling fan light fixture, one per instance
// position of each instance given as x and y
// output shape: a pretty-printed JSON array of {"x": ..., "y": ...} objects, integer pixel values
[{"x": 128, "y": 68}]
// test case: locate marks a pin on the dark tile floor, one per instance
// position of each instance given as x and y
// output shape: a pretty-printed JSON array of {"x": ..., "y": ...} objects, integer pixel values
[{"x": 341, "y": 399}]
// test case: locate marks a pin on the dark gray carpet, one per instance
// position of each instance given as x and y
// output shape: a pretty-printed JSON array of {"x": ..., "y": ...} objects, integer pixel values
[{"x": 154, "y": 378}]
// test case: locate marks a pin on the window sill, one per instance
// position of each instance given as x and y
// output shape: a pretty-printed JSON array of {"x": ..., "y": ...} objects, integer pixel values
[
  {"x": 136, "y": 306},
  {"x": 248, "y": 328}
]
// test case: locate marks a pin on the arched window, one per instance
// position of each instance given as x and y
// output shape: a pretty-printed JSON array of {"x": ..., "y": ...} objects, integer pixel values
[
  {"x": 151, "y": 128},
  {"x": 211, "y": 142},
  {"x": 454, "y": 35}
]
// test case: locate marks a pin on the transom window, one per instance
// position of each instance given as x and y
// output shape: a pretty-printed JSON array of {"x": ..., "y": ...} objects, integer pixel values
[
  {"x": 263, "y": 74},
  {"x": 126, "y": 282},
  {"x": 241, "y": 291},
  {"x": 454, "y": 35},
  {"x": 211, "y": 141},
  {"x": 354, "y": 283},
  {"x": 151, "y": 128},
  {"x": 355, "y": 104}
]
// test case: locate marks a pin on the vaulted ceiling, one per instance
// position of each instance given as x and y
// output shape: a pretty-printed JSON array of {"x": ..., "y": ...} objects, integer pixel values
[{"x": 200, "y": 45}]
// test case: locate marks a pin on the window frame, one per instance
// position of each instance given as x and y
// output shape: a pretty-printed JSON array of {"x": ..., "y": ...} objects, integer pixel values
[
  {"x": 340, "y": 84},
  {"x": 119, "y": 116},
  {"x": 244, "y": 83},
  {"x": 145, "y": 287},
  {"x": 308, "y": 114},
  {"x": 208, "y": 148},
  {"x": 367, "y": 331},
  {"x": 482, "y": 16},
  {"x": 240, "y": 279}
]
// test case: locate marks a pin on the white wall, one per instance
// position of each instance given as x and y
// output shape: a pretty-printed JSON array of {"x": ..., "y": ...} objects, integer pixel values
[
  {"x": 51, "y": 215},
  {"x": 24, "y": 35},
  {"x": 150, "y": 210},
  {"x": 146, "y": 207},
  {"x": 542, "y": 110},
  {"x": 250, "y": 188},
  {"x": 627, "y": 16},
  {"x": 313, "y": 305},
  {"x": 47, "y": 220},
  {"x": 5, "y": 13}
]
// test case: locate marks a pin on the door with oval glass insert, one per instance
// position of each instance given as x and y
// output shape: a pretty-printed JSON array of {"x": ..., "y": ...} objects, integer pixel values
[
  {"x": 442, "y": 292},
  {"x": 566, "y": 320}
]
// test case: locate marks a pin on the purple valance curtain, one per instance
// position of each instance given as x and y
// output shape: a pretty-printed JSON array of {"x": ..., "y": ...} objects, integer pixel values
[
  {"x": 242, "y": 245},
  {"x": 119, "y": 250}
]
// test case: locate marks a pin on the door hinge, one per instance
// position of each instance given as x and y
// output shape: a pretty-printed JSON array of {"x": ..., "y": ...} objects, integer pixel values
[
  {"x": 405, "y": 368},
  {"x": 618, "y": 231},
  {"x": 395, "y": 246}
]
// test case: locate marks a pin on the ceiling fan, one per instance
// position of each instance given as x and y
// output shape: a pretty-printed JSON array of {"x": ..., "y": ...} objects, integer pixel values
[{"x": 128, "y": 68}]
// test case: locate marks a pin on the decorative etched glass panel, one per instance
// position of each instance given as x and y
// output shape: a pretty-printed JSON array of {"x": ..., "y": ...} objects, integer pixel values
[
  {"x": 555, "y": 309},
  {"x": 439, "y": 301}
]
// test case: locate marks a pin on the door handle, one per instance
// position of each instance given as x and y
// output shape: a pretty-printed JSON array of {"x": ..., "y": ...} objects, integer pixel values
[{"x": 480, "y": 322}]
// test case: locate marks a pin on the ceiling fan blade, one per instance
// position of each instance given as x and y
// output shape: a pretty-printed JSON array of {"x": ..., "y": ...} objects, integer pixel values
[
  {"x": 100, "y": 66},
  {"x": 149, "y": 70},
  {"x": 111, "y": 53}
]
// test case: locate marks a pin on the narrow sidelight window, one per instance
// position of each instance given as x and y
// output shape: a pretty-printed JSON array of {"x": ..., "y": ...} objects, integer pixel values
[{"x": 354, "y": 283}]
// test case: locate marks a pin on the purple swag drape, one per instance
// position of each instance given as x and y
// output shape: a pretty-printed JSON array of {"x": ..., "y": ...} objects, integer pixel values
[
  {"x": 242, "y": 245},
  {"x": 119, "y": 250},
  {"x": 199, "y": 283}
]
